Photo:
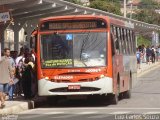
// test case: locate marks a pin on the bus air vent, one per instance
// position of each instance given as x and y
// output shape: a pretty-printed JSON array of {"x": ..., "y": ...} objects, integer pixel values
[{"x": 60, "y": 81}]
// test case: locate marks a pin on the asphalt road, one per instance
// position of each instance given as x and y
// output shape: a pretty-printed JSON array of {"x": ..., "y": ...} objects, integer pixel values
[{"x": 144, "y": 105}]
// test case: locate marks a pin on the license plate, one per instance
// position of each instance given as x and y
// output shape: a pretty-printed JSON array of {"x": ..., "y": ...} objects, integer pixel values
[{"x": 74, "y": 87}]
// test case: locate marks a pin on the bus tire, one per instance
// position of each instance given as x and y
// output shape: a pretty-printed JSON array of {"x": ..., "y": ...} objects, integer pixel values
[
  {"x": 114, "y": 99},
  {"x": 127, "y": 94}
]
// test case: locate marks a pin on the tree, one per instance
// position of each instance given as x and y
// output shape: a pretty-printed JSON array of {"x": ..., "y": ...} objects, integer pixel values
[
  {"x": 141, "y": 40},
  {"x": 147, "y": 13},
  {"x": 149, "y": 4},
  {"x": 112, "y": 6}
]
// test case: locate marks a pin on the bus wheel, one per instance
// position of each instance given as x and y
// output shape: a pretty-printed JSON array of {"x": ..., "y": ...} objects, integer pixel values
[
  {"x": 114, "y": 99},
  {"x": 127, "y": 94}
]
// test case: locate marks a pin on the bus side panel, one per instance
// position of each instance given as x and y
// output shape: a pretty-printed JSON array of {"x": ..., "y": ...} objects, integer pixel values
[
  {"x": 117, "y": 71},
  {"x": 133, "y": 69},
  {"x": 124, "y": 66},
  {"x": 126, "y": 73}
]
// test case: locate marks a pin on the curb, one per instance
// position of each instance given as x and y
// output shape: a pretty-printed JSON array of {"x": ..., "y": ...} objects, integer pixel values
[
  {"x": 15, "y": 109},
  {"x": 23, "y": 106},
  {"x": 147, "y": 69}
]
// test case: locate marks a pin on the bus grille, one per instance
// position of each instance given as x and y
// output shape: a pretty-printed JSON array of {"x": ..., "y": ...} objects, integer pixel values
[
  {"x": 60, "y": 81},
  {"x": 82, "y": 89},
  {"x": 80, "y": 80}
]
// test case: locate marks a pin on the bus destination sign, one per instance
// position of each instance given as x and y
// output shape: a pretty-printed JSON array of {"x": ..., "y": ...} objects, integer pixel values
[
  {"x": 74, "y": 25},
  {"x": 63, "y": 25}
]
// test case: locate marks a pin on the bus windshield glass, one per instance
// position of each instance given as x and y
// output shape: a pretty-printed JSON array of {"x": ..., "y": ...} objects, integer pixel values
[{"x": 70, "y": 50}]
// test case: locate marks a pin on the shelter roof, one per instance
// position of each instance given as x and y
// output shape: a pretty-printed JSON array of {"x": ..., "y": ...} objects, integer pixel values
[{"x": 23, "y": 10}]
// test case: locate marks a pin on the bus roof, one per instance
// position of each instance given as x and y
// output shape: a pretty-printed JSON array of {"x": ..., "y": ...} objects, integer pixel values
[
  {"x": 73, "y": 17},
  {"x": 121, "y": 23},
  {"x": 112, "y": 20}
]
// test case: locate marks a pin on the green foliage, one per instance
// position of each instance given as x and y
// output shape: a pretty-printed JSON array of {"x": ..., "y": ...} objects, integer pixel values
[
  {"x": 149, "y": 16},
  {"x": 149, "y": 4},
  {"x": 142, "y": 40},
  {"x": 112, "y": 6},
  {"x": 146, "y": 12}
]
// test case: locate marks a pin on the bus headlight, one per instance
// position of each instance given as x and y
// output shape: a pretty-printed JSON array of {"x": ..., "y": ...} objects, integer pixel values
[
  {"x": 47, "y": 78},
  {"x": 102, "y": 76}
]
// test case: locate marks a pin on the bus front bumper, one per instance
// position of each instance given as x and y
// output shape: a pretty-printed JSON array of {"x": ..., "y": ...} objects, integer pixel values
[{"x": 101, "y": 86}]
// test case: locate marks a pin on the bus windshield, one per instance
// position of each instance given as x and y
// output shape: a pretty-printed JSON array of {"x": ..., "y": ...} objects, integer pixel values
[{"x": 70, "y": 50}]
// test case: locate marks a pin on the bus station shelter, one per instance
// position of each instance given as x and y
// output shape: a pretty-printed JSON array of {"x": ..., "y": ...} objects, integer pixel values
[{"x": 18, "y": 18}]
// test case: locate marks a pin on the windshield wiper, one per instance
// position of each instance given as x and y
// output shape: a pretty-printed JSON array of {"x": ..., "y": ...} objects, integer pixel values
[{"x": 84, "y": 63}]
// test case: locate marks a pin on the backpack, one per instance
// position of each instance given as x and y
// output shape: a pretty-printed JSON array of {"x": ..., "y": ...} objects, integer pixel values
[{"x": 138, "y": 55}]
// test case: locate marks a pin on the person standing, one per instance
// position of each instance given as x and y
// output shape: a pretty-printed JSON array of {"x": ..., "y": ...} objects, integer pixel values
[
  {"x": 153, "y": 54},
  {"x": 143, "y": 53},
  {"x": 11, "y": 87},
  {"x": 158, "y": 52},
  {"x": 138, "y": 55},
  {"x": 19, "y": 71},
  {"x": 5, "y": 74},
  {"x": 148, "y": 54},
  {"x": 27, "y": 76}
]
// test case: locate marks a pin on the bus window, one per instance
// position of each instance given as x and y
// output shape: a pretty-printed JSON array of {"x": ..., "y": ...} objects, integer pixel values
[
  {"x": 112, "y": 29},
  {"x": 121, "y": 41},
  {"x": 124, "y": 41},
  {"x": 90, "y": 49},
  {"x": 129, "y": 42},
  {"x": 134, "y": 42},
  {"x": 73, "y": 49},
  {"x": 115, "y": 40},
  {"x": 118, "y": 34},
  {"x": 55, "y": 47},
  {"x": 115, "y": 44},
  {"x": 112, "y": 44}
]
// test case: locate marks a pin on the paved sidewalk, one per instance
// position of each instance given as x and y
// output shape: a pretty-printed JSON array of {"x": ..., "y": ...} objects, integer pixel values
[
  {"x": 19, "y": 104},
  {"x": 16, "y": 106},
  {"x": 146, "y": 67}
]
